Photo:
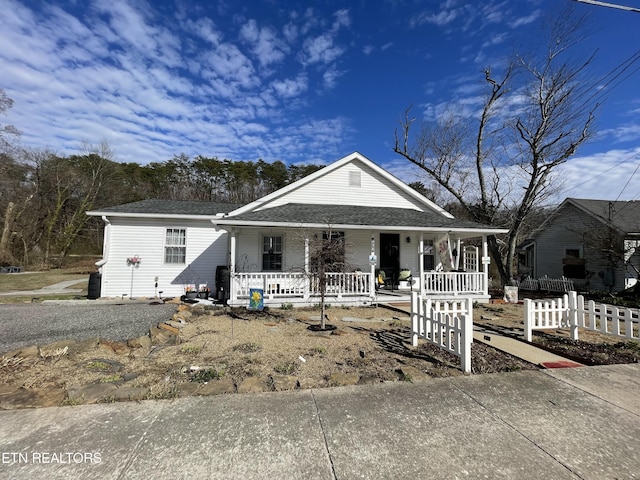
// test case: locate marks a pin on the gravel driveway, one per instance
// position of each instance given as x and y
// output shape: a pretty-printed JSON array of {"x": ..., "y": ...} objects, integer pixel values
[{"x": 37, "y": 324}]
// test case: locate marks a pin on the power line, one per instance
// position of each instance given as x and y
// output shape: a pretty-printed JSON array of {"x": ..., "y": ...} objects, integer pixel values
[
  {"x": 627, "y": 184},
  {"x": 630, "y": 157},
  {"x": 610, "y": 5}
]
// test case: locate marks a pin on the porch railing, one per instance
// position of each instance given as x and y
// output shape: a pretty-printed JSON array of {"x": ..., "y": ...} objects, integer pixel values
[
  {"x": 454, "y": 283},
  {"x": 296, "y": 284}
]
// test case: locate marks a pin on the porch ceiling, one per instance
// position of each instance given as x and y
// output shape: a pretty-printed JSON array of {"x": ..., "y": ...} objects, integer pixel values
[{"x": 355, "y": 217}]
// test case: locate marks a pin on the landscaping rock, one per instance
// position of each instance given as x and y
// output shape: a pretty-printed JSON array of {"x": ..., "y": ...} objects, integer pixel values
[
  {"x": 187, "y": 389},
  {"x": 30, "y": 398},
  {"x": 168, "y": 328},
  {"x": 141, "y": 342},
  {"x": 253, "y": 385},
  {"x": 412, "y": 374},
  {"x": 307, "y": 383},
  {"x": 284, "y": 382},
  {"x": 176, "y": 324},
  {"x": 161, "y": 337},
  {"x": 368, "y": 379},
  {"x": 129, "y": 393},
  {"x": 217, "y": 387},
  {"x": 93, "y": 393},
  {"x": 343, "y": 379},
  {"x": 115, "y": 347},
  {"x": 182, "y": 316},
  {"x": 24, "y": 352}
]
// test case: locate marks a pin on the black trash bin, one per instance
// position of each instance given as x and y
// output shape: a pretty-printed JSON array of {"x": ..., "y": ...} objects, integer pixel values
[
  {"x": 223, "y": 283},
  {"x": 95, "y": 284}
]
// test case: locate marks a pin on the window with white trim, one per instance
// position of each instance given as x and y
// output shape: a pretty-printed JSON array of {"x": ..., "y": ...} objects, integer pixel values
[
  {"x": 272, "y": 253},
  {"x": 175, "y": 245}
]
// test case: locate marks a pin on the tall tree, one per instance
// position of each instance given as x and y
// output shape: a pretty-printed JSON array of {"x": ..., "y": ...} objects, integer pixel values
[{"x": 500, "y": 165}]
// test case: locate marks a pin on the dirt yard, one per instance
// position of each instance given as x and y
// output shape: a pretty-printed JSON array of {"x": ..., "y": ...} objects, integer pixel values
[{"x": 209, "y": 350}]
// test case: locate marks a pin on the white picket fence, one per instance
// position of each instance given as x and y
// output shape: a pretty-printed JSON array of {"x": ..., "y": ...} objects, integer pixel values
[
  {"x": 447, "y": 324},
  {"x": 561, "y": 284},
  {"x": 571, "y": 312}
]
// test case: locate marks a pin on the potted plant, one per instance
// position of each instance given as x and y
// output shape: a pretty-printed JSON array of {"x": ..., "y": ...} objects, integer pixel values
[
  {"x": 204, "y": 291},
  {"x": 190, "y": 291}
]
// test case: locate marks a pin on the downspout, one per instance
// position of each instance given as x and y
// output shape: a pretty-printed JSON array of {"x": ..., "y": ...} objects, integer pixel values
[{"x": 105, "y": 243}]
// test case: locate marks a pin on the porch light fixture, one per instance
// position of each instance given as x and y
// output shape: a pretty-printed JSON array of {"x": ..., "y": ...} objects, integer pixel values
[{"x": 408, "y": 239}]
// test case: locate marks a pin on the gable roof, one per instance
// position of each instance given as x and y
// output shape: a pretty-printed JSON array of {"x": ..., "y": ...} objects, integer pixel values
[
  {"x": 353, "y": 157},
  {"x": 167, "y": 209},
  {"x": 353, "y": 217},
  {"x": 620, "y": 215},
  {"x": 623, "y": 216}
]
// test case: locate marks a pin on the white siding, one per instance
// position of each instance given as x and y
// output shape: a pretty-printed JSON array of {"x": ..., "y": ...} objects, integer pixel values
[
  {"x": 374, "y": 190},
  {"x": 206, "y": 249}
]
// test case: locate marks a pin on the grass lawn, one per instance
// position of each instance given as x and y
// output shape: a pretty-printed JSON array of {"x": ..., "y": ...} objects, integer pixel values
[{"x": 10, "y": 282}]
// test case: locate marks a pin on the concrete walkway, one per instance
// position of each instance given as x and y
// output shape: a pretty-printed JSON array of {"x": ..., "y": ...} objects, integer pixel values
[
  {"x": 61, "y": 288},
  {"x": 581, "y": 423},
  {"x": 510, "y": 345}
]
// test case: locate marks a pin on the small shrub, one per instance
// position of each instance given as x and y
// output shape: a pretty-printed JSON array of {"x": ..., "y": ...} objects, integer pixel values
[
  {"x": 288, "y": 368},
  {"x": 190, "y": 349},
  {"x": 98, "y": 365},
  {"x": 204, "y": 376},
  {"x": 287, "y": 306},
  {"x": 318, "y": 351},
  {"x": 111, "y": 378},
  {"x": 248, "y": 347}
]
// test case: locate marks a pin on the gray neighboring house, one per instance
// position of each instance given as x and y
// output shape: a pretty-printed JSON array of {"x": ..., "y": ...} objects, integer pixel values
[
  {"x": 596, "y": 243},
  {"x": 383, "y": 226}
]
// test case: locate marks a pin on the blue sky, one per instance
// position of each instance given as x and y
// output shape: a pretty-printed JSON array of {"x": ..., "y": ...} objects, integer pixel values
[{"x": 301, "y": 82}]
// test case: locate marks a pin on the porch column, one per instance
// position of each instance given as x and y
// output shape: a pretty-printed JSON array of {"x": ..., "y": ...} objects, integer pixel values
[
  {"x": 307, "y": 269},
  {"x": 232, "y": 264},
  {"x": 485, "y": 264},
  {"x": 421, "y": 263}
]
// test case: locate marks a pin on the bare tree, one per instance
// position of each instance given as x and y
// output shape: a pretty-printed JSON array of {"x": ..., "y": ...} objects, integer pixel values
[{"x": 500, "y": 165}]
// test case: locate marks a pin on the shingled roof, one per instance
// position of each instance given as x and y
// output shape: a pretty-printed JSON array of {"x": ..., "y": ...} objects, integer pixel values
[
  {"x": 170, "y": 207},
  {"x": 624, "y": 216},
  {"x": 349, "y": 215}
]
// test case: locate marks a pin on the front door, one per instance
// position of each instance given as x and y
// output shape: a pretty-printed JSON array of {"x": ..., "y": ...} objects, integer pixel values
[{"x": 390, "y": 255}]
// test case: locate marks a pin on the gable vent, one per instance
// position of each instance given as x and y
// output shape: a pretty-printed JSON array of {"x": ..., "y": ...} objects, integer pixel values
[{"x": 355, "y": 179}]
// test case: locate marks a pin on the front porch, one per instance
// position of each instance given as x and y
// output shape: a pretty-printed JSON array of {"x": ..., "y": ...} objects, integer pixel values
[{"x": 353, "y": 288}]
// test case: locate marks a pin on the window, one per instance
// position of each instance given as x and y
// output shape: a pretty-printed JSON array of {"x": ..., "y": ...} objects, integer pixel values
[
  {"x": 272, "y": 253},
  {"x": 175, "y": 245},
  {"x": 428, "y": 259}
]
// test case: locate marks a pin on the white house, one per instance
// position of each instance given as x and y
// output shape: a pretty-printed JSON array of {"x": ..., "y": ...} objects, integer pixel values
[{"x": 383, "y": 225}]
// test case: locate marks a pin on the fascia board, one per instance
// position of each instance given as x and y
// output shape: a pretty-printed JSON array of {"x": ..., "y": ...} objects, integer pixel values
[
  {"x": 491, "y": 231},
  {"x": 154, "y": 215}
]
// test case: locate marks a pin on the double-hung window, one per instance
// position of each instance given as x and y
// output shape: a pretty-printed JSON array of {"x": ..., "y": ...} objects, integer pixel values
[
  {"x": 175, "y": 245},
  {"x": 272, "y": 253}
]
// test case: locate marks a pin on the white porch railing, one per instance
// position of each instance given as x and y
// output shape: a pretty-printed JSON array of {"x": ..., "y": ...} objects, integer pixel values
[
  {"x": 296, "y": 284},
  {"x": 454, "y": 283}
]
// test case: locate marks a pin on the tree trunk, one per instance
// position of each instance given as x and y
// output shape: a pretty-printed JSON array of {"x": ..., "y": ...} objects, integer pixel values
[{"x": 5, "y": 253}]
